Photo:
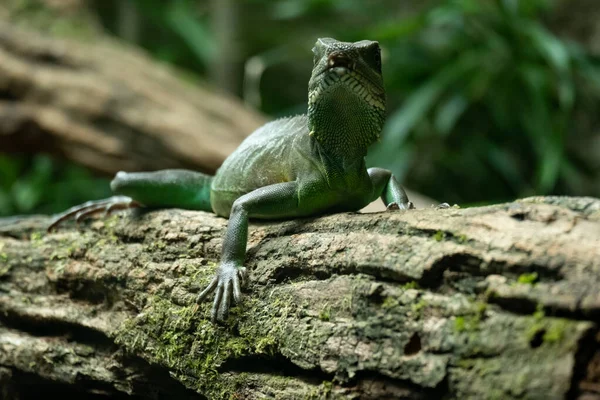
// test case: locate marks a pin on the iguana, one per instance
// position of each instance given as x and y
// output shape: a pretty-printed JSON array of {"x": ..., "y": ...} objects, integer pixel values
[{"x": 292, "y": 167}]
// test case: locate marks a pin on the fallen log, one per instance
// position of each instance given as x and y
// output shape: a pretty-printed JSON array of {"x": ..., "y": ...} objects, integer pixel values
[
  {"x": 496, "y": 302},
  {"x": 110, "y": 107}
]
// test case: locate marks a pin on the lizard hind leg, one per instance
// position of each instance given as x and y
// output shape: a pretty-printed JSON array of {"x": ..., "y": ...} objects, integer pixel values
[
  {"x": 106, "y": 206},
  {"x": 167, "y": 188}
]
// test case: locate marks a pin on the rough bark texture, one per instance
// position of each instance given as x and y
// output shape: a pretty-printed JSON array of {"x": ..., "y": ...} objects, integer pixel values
[
  {"x": 498, "y": 302},
  {"x": 109, "y": 107}
]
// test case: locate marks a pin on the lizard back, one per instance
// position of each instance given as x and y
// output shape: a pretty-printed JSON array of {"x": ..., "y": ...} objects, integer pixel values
[{"x": 262, "y": 159}]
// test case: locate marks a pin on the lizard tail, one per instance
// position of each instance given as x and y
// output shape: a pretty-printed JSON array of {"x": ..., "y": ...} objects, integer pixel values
[{"x": 172, "y": 188}]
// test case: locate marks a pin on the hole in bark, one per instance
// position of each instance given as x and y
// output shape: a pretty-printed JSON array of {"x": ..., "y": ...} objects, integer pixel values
[
  {"x": 376, "y": 295},
  {"x": 459, "y": 262},
  {"x": 322, "y": 275},
  {"x": 286, "y": 274},
  {"x": 537, "y": 339},
  {"x": 586, "y": 372},
  {"x": 94, "y": 292},
  {"x": 413, "y": 346},
  {"x": 8, "y": 96},
  {"x": 49, "y": 59},
  {"x": 519, "y": 216}
]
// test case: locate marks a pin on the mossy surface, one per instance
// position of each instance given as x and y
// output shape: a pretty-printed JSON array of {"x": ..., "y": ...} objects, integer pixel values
[
  {"x": 336, "y": 328},
  {"x": 379, "y": 316}
]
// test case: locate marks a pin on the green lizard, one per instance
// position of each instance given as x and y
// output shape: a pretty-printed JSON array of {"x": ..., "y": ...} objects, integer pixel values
[{"x": 292, "y": 167}]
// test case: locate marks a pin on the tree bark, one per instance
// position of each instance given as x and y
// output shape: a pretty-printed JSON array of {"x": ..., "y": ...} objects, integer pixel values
[
  {"x": 497, "y": 302},
  {"x": 109, "y": 107}
]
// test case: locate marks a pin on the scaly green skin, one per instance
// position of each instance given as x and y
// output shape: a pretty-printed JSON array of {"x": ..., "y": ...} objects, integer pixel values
[{"x": 292, "y": 167}]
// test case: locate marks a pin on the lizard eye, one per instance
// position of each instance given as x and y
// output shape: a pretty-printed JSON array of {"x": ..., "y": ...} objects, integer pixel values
[{"x": 372, "y": 56}]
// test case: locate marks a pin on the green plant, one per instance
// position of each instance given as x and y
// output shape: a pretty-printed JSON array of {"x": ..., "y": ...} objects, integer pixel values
[
  {"x": 40, "y": 184},
  {"x": 490, "y": 94},
  {"x": 174, "y": 31}
]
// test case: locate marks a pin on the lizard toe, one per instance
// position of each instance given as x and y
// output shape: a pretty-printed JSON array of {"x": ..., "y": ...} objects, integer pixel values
[
  {"x": 393, "y": 206},
  {"x": 226, "y": 285},
  {"x": 208, "y": 290},
  {"x": 225, "y": 302},
  {"x": 214, "y": 313},
  {"x": 237, "y": 292},
  {"x": 89, "y": 208},
  {"x": 242, "y": 276}
]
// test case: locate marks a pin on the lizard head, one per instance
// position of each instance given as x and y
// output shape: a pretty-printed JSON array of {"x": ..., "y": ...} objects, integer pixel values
[{"x": 346, "y": 88}]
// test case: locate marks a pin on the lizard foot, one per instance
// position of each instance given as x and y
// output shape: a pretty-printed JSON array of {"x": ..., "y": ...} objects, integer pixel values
[
  {"x": 442, "y": 206},
  {"x": 228, "y": 281},
  {"x": 89, "y": 208},
  {"x": 402, "y": 206}
]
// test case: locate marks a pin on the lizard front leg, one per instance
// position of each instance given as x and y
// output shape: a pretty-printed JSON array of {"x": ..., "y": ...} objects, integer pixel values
[
  {"x": 392, "y": 194},
  {"x": 387, "y": 187},
  {"x": 275, "y": 201}
]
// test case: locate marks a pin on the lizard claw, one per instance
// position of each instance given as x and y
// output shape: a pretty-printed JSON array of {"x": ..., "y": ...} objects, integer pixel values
[
  {"x": 94, "y": 207},
  {"x": 226, "y": 284},
  {"x": 402, "y": 206}
]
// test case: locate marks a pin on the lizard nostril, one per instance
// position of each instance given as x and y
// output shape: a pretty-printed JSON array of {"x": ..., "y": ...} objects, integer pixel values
[{"x": 339, "y": 60}]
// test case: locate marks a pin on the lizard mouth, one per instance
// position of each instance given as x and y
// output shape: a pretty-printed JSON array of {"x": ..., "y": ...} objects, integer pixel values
[
  {"x": 348, "y": 79},
  {"x": 344, "y": 71},
  {"x": 340, "y": 63}
]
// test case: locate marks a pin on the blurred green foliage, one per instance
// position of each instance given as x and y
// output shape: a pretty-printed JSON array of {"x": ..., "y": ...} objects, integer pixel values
[
  {"x": 39, "y": 184},
  {"x": 177, "y": 32},
  {"x": 490, "y": 95},
  {"x": 484, "y": 100}
]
